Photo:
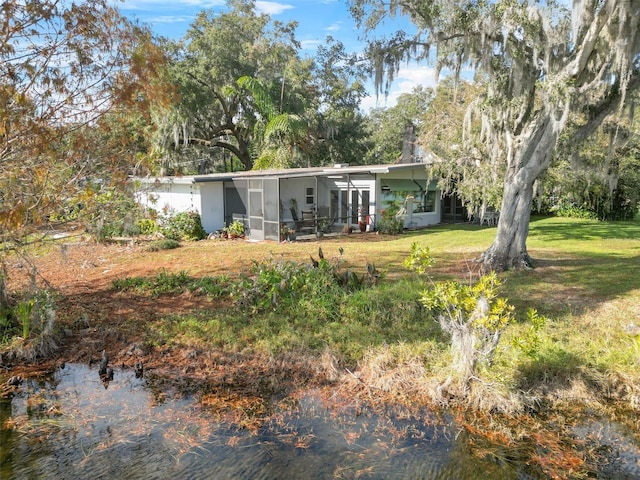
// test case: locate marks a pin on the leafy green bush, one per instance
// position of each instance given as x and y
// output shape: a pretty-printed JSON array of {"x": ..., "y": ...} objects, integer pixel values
[
  {"x": 163, "y": 244},
  {"x": 475, "y": 318},
  {"x": 31, "y": 318},
  {"x": 473, "y": 315},
  {"x": 285, "y": 285},
  {"x": 147, "y": 226},
  {"x": 571, "y": 210},
  {"x": 529, "y": 341},
  {"x": 183, "y": 226},
  {"x": 235, "y": 229},
  {"x": 419, "y": 259},
  {"x": 306, "y": 290},
  {"x": 390, "y": 223},
  {"x": 212, "y": 286}
]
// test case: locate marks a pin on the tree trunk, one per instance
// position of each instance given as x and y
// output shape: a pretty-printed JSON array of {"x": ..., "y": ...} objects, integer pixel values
[
  {"x": 530, "y": 157},
  {"x": 4, "y": 296},
  {"x": 509, "y": 248}
]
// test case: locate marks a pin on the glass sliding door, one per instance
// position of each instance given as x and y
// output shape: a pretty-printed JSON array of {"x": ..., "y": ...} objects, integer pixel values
[{"x": 355, "y": 205}]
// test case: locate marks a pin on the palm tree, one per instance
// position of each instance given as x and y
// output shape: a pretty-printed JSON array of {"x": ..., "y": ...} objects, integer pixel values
[{"x": 278, "y": 136}]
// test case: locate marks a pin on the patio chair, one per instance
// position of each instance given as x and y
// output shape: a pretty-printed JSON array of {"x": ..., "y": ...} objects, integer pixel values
[
  {"x": 307, "y": 224},
  {"x": 490, "y": 218}
]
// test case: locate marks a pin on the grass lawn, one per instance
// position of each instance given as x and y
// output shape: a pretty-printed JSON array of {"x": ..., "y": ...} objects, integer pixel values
[
  {"x": 585, "y": 283},
  {"x": 253, "y": 320}
]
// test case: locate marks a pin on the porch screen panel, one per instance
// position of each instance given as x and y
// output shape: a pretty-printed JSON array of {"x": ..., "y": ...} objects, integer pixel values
[
  {"x": 354, "y": 206},
  {"x": 366, "y": 204},
  {"x": 236, "y": 200},
  {"x": 271, "y": 209},
  {"x": 255, "y": 213},
  {"x": 334, "y": 206},
  {"x": 344, "y": 206}
]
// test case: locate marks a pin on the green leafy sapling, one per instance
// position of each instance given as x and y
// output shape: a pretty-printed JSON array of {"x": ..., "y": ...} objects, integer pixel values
[{"x": 473, "y": 315}]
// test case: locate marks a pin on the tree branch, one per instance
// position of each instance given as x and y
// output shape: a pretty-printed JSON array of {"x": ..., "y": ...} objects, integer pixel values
[{"x": 603, "y": 110}]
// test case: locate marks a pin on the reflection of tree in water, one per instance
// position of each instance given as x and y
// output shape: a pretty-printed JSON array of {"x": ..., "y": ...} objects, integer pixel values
[{"x": 70, "y": 420}]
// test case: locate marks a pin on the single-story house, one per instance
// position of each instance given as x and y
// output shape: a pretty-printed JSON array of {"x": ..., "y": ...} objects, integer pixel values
[{"x": 303, "y": 198}]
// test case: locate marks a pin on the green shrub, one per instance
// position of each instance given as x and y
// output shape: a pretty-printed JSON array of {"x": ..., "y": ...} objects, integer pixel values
[
  {"x": 390, "y": 223},
  {"x": 183, "y": 226},
  {"x": 32, "y": 317},
  {"x": 308, "y": 292},
  {"x": 282, "y": 285},
  {"x": 474, "y": 316},
  {"x": 147, "y": 226},
  {"x": 163, "y": 244},
  {"x": 235, "y": 229},
  {"x": 212, "y": 286},
  {"x": 571, "y": 210},
  {"x": 110, "y": 213}
]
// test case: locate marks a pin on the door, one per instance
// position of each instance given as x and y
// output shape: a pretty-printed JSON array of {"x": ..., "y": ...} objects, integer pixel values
[
  {"x": 452, "y": 209},
  {"x": 256, "y": 210}
]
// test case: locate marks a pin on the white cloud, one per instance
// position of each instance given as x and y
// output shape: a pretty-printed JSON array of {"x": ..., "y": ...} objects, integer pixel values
[
  {"x": 413, "y": 75},
  {"x": 310, "y": 44},
  {"x": 160, "y": 4},
  {"x": 406, "y": 80},
  {"x": 169, "y": 19},
  {"x": 272, "y": 8},
  {"x": 334, "y": 27},
  {"x": 370, "y": 102}
]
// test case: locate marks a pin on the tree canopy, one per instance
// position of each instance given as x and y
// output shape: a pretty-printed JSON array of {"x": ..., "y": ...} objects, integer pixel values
[
  {"x": 64, "y": 68},
  {"x": 219, "y": 49},
  {"x": 541, "y": 63},
  {"x": 387, "y": 126},
  {"x": 599, "y": 176},
  {"x": 286, "y": 111}
]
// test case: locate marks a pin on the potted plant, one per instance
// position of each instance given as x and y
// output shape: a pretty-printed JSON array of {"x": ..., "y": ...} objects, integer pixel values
[
  {"x": 235, "y": 229},
  {"x": 287, "y": 233},
  {"x": 362, "y": 220},
  {"x": 322, "y": 227}
]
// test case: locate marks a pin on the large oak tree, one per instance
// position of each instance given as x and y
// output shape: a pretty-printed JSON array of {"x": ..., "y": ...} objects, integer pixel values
[
  {"x": 219, "y": 49},
  {"x": 541, "y": 63}
]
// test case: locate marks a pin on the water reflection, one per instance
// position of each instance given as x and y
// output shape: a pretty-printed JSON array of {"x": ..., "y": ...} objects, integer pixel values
[{"x": 70, "y": 427}]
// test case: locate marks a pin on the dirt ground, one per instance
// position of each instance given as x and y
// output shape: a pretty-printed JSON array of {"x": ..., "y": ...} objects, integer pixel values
[{"x": 92, "y": 316}]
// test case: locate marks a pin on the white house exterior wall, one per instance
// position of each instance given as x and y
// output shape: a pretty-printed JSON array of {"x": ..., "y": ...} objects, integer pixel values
[
  {"x": 296, "y": 188},
  {"x": 168, "y": 197}
]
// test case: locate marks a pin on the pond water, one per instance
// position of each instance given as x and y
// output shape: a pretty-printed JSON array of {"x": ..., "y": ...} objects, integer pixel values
[{"x": 74, "y": 426}]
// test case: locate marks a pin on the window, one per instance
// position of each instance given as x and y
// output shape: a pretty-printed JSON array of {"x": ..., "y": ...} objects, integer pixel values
[
  {"x": 310, "y": 196},
  {"x": 423, "y": 201}
]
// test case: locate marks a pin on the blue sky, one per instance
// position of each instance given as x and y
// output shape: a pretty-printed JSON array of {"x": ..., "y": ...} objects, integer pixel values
[{"x": 316, "y": 20}]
